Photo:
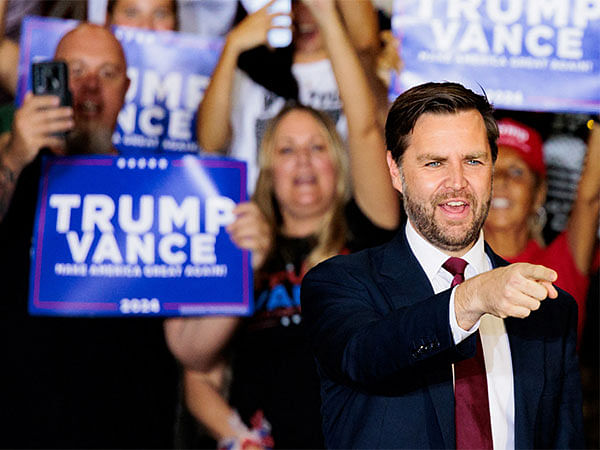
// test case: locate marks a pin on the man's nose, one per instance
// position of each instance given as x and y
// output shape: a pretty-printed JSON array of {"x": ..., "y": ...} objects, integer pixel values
[
  {"x": 456, "y": 176},
  {"x": 91, "y": 81}
]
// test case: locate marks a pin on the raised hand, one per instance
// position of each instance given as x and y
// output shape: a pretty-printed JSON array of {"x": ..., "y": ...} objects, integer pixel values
[
  {"x": 252, "y": 31},
  {"x": 33, "y": 127}
]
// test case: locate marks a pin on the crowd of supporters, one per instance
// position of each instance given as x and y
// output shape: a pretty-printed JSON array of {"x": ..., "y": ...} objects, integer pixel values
[{"x": 308, "y": 121}]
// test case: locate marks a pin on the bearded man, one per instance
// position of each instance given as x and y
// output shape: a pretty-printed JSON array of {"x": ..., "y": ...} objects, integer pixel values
[
  {"x": 73, "y": 382},
  {"x": 432, "y": 340}
]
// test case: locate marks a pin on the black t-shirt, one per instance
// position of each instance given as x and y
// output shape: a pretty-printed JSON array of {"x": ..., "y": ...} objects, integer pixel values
[
  {"x": 273, "y": 366},
  {"x": 75, "y": 382}
]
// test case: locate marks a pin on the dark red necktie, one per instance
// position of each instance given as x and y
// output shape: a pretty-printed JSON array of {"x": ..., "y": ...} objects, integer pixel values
[{"x": 472, "y": 409}]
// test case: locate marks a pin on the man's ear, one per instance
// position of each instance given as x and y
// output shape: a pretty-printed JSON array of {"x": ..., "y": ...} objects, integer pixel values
[
  {"x": 394, "y": 172},
  {"x": 127, "y": 86}
]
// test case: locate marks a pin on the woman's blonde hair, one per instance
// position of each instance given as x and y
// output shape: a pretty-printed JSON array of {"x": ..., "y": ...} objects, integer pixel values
[{"x": 331, "y": 235}]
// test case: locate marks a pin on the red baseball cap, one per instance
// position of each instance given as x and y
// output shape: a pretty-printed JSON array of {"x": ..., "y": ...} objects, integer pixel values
[{"x": 524, "y": 140}]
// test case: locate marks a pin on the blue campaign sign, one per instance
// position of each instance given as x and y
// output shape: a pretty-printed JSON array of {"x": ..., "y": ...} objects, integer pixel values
[
  {"x": 526, "y": 55},
  {"x": 169, "y": 73},
  {"x": 124, "y": 235}
]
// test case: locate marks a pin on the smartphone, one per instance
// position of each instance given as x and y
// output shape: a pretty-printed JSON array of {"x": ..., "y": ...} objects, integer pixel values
[
  {"x": 277, "y": 37},
  {"x": 52, "y": 78}
]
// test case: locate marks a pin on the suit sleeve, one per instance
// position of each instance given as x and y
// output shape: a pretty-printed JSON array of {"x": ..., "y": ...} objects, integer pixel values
[{"x": 358, "y": 337}]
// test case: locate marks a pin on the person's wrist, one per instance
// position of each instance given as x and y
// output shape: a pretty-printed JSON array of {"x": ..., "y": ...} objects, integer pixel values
[
  {"x": 244, "y": 438},
  {"x": 235, "y": 44},
  {"x": 12, "y": 161},
  {"x": 467, "y": 314}
]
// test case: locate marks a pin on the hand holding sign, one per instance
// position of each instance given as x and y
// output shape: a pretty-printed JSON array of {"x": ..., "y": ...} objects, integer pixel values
[{"x": 251, "y": 231}]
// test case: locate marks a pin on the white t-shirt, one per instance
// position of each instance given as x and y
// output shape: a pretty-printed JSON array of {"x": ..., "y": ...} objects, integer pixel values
[{"x": 253, "y": 106}]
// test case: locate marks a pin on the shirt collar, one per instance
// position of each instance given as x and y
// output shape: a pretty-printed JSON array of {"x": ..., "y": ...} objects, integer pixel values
[{"x": 431, "y": 258}]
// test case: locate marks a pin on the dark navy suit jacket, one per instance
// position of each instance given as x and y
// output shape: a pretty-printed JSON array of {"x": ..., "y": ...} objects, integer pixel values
[{"x": 384, "y": 351}]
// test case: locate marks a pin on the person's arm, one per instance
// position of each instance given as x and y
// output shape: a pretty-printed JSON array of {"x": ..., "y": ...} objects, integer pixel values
[
  {"x": 371, "y": 182},
  {"x": 9, "y": 55},
  {"x": 204, "y": 399},
  {"x": 34, "y": 126},
  {"x": 359, "y": 338},
  {"x": 583, "y": 222},
  {"x": 214, "y": 111},
  {"x": 362, "y": 25},
  {"x": 198, "y": 343},
  {"x": 360, "y": 20}
]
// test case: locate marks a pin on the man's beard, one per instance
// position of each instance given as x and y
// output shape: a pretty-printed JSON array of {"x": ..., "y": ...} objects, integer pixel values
[
  {"x": 423, "y": 219},
  {"x": 89, "y": 140}
]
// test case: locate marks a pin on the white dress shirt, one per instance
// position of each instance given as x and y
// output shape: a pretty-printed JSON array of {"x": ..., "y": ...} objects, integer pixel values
[{"x": 494, "y": 340}]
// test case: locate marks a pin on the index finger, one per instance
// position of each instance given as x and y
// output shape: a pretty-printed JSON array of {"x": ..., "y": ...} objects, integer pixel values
[
  {"x": 539, "y": 273},
  {"x": 267, "y": 5},
  {"x": 244, "y": 207}
]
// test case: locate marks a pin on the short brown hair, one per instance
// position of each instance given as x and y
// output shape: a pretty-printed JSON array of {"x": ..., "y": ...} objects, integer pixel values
[{"x": 437, "y": 98}]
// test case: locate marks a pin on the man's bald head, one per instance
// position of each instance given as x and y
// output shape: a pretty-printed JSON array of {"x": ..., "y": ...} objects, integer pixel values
[
  {"x": 98, "y": 81},
  {"x": 89, "y": 35}
]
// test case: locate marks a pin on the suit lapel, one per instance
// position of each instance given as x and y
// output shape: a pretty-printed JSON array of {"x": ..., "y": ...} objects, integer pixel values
[
  {"x": 405, "y": 282},
  {"x": 403, "y": 279},
  {"x": 527, "y": 353}
]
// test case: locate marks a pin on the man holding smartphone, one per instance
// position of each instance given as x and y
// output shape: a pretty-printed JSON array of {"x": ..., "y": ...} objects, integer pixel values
[
  {"x": 73, "y": 382},
  {"x": 98, "y": 82}
]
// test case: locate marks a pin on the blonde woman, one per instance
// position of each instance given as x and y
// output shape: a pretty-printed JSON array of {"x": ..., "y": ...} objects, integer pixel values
[{"x": 301, "y": 214}]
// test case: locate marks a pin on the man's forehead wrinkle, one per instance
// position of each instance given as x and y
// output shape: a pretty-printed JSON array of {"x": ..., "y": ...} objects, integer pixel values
[{"x": 430, "y": 156}]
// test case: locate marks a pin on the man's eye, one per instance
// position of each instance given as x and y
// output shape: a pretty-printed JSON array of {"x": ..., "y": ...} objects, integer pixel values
[
  {"x": 75, "y": 71},
  {"x": 285, "y": 150},
  {"x": 108, "y": 73},
  {"x": 474, "y": 162},
  {"x": 433, "y": 164}
]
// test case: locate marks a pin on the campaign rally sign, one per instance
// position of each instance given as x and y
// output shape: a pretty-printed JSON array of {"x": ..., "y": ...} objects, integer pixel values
[
  {"x": 124, "y": 235},
  {"x": 169, "y": 73},
  {"x": 527, "y": 55}
]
